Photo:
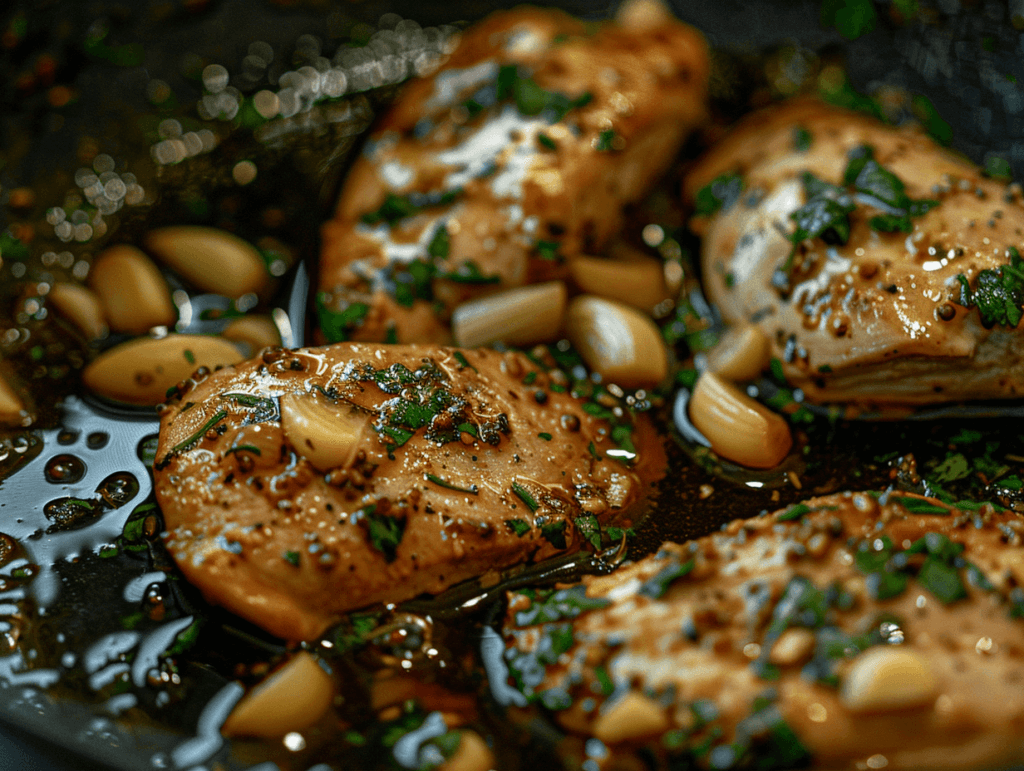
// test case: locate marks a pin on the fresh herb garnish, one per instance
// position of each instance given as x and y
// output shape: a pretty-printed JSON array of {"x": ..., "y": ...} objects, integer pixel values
[
  {"x": 338, "y": 325},
  {"x": 588, "y": 526},
  {"x": 291, "y": 557},
  {"x": 998, "y": 293},
  {"x": 605, "y": 142},
  {"x": 548, "y": 250},
  {"x": 525, "y": 496},
  {"x": 545, "y": 141},
  {"x": 518, "y": 526},
  {"x": 554, "y": 533},
  {"x": 472, "y": 489},
  {"x": 720, "y": 193},
  {"x": 385, "y": 532},
  {"x": 195, "y": 438},
  {"x": 802, "y": 139}
]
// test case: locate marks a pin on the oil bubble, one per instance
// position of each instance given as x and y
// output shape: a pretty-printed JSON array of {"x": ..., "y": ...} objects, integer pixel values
[
  {"x": 64, "y": 469},
  {"x": 97, "y": 440},
  {"x": 118, "y": 488}
]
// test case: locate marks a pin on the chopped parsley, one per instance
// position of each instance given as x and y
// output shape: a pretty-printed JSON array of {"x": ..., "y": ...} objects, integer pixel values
[
  {"x": 826, "y": 213},
  {"x": 338, "y": 325},
  {"x": 720, "y": 193},
  {"x": 518, "y": 526},
  {"x": 545, "y": 141},
  {"x": 384, "y": 531},
  {"x": 472, "y": 489},
  {"x": 548, "y": 250},
  {"x": 525, "y": 496},
  {"x": 998, "y": 293},
  {"x": 802, "y": 139},
  {"x": 605, "y": 141},
  {"x": 291, "y": 557},
  {"x": 554, "y": 533}
]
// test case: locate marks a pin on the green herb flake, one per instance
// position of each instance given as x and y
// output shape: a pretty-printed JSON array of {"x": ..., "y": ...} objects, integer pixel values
[
  {"x": 195, "y": 438},
  {"x": 605, "y": 141},
  {"x": 545, "y": 141},
  {"x": 545, "y": 436},
  {"x": 721, "y": 193},
  {"x": 795, "y": 512},
  {"x": 472, "y": 489},
  {"x": 919, "y": 506},
  {"x": 460, "y": 357},
  {"x": 338, "y": 325},
  {"x": 440, "y": 244},
  {"x": 190, "y": 357},
  {"x": 291, "y": 557},
  {"x": 548, "y": 250},
  {"x": 554, "y": 533},
  {"x": 588, "y": 526},
  {"x": 385, "y": 532},
  {"x": 802, "y": 139},
  {"x": 592, "y": 449},
  {"x": 656, "y": 586},
  {"x": 518, "y": 526},
  {"x": 998, "y": 293},
  {"x": 525, "y": 496}
]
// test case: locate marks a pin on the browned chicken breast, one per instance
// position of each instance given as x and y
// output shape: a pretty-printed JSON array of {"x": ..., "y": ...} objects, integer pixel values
[
  {"x": 306, "y": 483},
  {"x": 845, "y": 241},
  {"x": 852, "y": 631},
  {"x": 519, "y": 152}
]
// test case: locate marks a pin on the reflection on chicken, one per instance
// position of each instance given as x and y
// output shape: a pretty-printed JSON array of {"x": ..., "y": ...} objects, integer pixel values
[
  {"x": 519, "y": 153},
  {"x": 844, "y": 628},
  {"x": 844, "y": 240},
  {"x": 303, "y": 484}
]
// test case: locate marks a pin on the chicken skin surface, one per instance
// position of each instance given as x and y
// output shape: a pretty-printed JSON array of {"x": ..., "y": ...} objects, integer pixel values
[
  {"x": 848, "y": 627},
  {"x": 861, "y": 251},
  {"x": 303, "y": 484},
  {"x": 518, "y": 154}
]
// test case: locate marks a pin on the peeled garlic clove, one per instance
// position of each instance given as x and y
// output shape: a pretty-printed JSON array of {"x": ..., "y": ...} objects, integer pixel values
[
  {"x": 81, "y": 306},
  {"x": 257, "y": 332},
  {"x": 638, "y": 282},
  {"x": 326, "y": 433},
  {"x": 643, "y": 15},
  {"x": 211, "y": 259},
  {"x": 133, "y": 293},
  {"x": 739, "y": 428},
  {"x": 634, "y": 716},
  {"x": 290, "y": 699},
  {"x": 620, "y": 342},
  {"x": 742, "y": 354},
  {"x": 141, "y": 371},
  {"x": 886, "y": 678},
  {"x": 523, "y": 316}
]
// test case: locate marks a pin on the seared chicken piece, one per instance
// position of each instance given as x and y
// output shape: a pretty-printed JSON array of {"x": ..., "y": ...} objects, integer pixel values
[
  {"x": 519, "y": 152},
  {"x": 303, "y": 484},
  {"x": 860, "y": 293},
  {"x": 842, "y": 630}
]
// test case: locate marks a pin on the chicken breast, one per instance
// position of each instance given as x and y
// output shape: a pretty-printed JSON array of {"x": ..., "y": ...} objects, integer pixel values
[
  {"x": 303, "y": 484},
  {"x": 851, "y": 631},
  {"x": 521, "y": 151},
  {"x": 844, "y": 240}
]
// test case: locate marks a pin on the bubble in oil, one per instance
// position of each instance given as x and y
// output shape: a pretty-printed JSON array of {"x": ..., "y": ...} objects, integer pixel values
[
  {"x": 64, "y": 469},
  {"x": 66, "y": 437},
  {"x": 118, "y": 488},
  {"x": 71, "y": 513},
  {"x": 97, "y": 440},
  {"x": 147, "y": 449}
]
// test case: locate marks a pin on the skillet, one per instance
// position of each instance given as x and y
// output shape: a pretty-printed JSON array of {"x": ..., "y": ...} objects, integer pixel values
[{"x": 959, "y": 57}]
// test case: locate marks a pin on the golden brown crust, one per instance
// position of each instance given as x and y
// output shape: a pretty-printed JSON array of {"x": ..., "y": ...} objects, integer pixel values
[
  {"x": 803, "y": 609},
  {"x": 458, "y": 468},
  {"x": 877, "y": 319},
  {"x": 515, "y": 175}
]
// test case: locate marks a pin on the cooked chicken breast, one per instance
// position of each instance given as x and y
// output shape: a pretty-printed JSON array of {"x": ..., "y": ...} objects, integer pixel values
[
  {"x": 851, "y": 631},
  {"x": 843, "y": 239},
  {"x": 303, "y": 484},
  {"x": 519, "y": 152}
]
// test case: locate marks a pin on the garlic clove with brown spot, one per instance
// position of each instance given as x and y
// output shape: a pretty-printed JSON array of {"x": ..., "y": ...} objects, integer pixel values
[
  {"x": 290, "y": 699},
  {"x": 326, "y": 433}
]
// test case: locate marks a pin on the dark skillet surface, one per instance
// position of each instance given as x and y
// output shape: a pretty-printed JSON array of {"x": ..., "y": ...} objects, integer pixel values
[{"x": 959, "y": 57}]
